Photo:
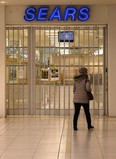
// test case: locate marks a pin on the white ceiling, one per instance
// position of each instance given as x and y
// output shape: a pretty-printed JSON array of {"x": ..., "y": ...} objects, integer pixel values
[{"x": 58, "y": 2}]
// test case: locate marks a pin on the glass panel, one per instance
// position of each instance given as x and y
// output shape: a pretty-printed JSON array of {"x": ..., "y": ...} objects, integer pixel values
[
  {"x": 23, "y": 37},
  {"x": 54, "y": 66},
  {"x": 57, "y": 62},
  {"x": 17, "y": 70}
]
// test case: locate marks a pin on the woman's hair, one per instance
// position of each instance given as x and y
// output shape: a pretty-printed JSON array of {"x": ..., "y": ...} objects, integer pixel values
[{"x": 83, "y": 70}]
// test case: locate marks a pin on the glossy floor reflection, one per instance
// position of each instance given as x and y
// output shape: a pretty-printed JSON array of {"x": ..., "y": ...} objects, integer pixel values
[{"x": 53, "y": 138}]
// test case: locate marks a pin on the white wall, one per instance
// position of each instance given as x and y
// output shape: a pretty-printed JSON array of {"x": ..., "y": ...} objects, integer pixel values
[
  {"x": 2, "y": 61},
  {"x": 112, "y": 60},
  {"x": 99, "y": 15},
  {"x": 15, "y": 14}
]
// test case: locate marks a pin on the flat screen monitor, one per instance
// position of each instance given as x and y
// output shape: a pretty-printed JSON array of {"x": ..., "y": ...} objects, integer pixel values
[{"x": 66, "y": 36}]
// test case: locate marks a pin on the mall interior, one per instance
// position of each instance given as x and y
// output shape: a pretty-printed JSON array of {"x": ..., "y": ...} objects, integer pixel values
[{"x": 42, "y": 47}]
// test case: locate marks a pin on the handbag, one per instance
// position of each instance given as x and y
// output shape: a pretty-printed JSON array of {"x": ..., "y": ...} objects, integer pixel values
[{"x": 90, "y": 96}]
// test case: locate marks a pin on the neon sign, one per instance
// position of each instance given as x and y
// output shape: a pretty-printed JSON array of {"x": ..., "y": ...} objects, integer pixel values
[{"x": 41, "y": 14}]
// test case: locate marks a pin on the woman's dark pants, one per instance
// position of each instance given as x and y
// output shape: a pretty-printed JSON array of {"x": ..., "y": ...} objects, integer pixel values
[{"x": 77, "y": 112}]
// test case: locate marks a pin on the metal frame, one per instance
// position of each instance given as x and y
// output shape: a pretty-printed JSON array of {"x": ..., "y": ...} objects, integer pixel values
[{"x": 60, "y": 102}]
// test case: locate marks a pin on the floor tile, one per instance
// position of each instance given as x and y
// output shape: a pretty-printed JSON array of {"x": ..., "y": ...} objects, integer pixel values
[{"x": 53, "y": 137}]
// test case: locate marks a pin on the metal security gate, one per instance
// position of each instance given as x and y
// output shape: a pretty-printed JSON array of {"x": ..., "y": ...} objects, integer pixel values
[{"x": 41, "y": 63}]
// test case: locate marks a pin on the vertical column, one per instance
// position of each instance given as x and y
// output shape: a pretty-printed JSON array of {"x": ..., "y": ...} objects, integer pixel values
[
  {"x": 112, "y": 60},
  {"x": 2, "y": 61}
]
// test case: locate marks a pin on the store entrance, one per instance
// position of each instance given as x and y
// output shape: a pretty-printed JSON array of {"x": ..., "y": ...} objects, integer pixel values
[{"x": 41, "y": 63}]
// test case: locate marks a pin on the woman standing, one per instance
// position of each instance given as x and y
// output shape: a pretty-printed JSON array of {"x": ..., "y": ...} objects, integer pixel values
[{"x": 81, "y": 86}]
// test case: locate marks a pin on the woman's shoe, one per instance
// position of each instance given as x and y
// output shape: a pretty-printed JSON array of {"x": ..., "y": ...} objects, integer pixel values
[
  {"x": 75, "y": 129},
  {"x": 91, "y": 127}
]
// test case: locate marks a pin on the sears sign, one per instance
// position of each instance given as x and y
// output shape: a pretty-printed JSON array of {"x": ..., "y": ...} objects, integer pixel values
[{"x": 45, "y": 14}]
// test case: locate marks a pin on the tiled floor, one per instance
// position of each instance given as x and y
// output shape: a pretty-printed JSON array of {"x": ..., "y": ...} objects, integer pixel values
[{"x": 53, "y": 138}]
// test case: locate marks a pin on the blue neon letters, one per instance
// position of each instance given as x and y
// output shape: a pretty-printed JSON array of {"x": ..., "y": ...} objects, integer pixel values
[
  {"x": 56, "y": 14},
  {"x": 83, "y": 14},
  {"x": 70, "y": 12},
  {"x": 41, "y": 14}
]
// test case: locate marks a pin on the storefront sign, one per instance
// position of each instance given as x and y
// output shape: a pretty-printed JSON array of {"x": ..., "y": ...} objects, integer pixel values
[{"x": 41, "y": 14}]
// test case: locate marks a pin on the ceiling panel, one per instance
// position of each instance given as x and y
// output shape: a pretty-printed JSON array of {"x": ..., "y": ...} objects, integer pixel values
[{"x": 53, "y": 2}]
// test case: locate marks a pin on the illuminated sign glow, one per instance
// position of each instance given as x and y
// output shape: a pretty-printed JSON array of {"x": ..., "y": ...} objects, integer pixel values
[{"x": 41, "y": 14}]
